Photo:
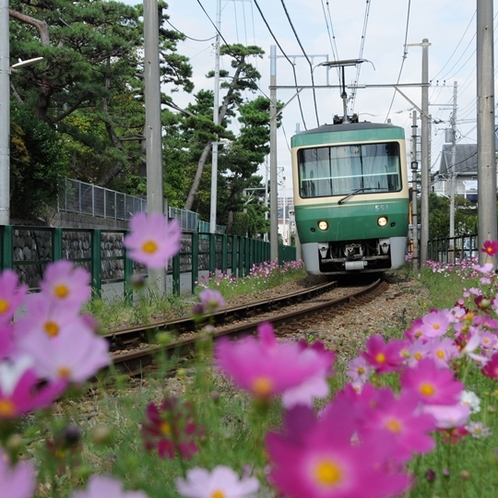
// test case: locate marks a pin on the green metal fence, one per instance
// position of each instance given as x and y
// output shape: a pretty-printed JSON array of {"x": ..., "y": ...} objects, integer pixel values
[{"x": 28, "y": 249}]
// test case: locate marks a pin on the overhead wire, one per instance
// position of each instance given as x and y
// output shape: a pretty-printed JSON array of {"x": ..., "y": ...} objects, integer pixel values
[
  {"x": 189, "y": 37},
  {"x": 360, "y": 56},
  {"x": 286, "y": 56},
  {"x": 330, "y": 31},
  {"x": 306, "y": 57},
  {"x": 405, "y": 54}
]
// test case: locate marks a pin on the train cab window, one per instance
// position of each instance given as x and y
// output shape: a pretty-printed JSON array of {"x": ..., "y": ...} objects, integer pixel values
[{"x": 340, "y": 170}]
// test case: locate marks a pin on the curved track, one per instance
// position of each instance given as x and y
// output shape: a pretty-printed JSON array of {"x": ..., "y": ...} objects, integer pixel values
[{"x": 134, "y": 349}]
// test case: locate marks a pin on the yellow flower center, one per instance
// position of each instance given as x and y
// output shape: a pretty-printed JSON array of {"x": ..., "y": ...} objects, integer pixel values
[
  {"x": 4, "y": 306},
  {"x": 394, "y": 425},
  {"x": 51, "y": 328},
  {"x": 328, "y": 473},
  {"x": 61, "y": 291},
  {"x": 361, "y": 370},
  {"x": 64, "y": 372},
  {"x": 217, "y": 494},
  {"x": 380, "y": 358},
  {"x": 436, "y": 326},
  {"x": 150, "y": 247},
  {"x": 440, "y": 354},
  {"x": 417, "y": 356},
  {"x": 427, "y": 389},
  {"x": 7, "y": 408},
  {"x": 165, "y": 428},
  {"x": 262, "y": 386}
]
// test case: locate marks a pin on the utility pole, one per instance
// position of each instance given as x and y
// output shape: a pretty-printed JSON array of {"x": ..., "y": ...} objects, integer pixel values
[
  {"x": 153, "y": 131},
  {"x": 4, "y": 114},
  {"x": 216, "y": 120},
  {"x": 414, "y": 166},
  {"x": 453, "y": 174},
  {"x": 273, "y": 155},
  {"x": 424, "y": 146},
  {"x": 486, "y": 158}
]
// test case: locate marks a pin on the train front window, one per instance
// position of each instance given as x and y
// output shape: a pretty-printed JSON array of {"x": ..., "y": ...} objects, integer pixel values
[{"x": 340, "y": 170}]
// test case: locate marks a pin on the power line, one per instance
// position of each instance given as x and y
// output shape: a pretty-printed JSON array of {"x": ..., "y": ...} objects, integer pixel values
[
  {"x": 189, "y": 37},
  {"x": 360, "y": 56},
  {"x": 285, "y": 55},
  {"x": 405, "y": 53},
  {"x": 307, "y": 58}
]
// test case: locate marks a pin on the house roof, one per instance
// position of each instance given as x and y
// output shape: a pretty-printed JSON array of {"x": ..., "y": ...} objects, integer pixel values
[{"x": 465, "y": 159}]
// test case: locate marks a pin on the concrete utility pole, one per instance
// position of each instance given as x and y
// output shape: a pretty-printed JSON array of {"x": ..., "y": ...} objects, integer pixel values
[
  {"x": 4, "y": 114},
  {"x": 414, "y": 166},
  {"x": 216, "y": 121},
  {"x": 453, "y": 173},
  {"x": 153, "y": 132},
  {"x": 273, "y": 156},
  {"x": 486, "y": 154},
  {"x": 424, "y": 146}
]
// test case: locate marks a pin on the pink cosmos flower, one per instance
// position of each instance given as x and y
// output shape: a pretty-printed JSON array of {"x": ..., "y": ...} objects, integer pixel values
[
  {"x": 402, "y": 419},
  {"x": 222, "y": 481},
  {"x": 359, "y": 370},
  {"x": 20, "y": 390},
  {"x": 490, "y": 247},
  {"x": 449, "y": 416},
  {"x": 321, "y": 458},
  {"x": 415, "y": 332},
  {"x": 313, "y": 387},
  {"x": 383, "y": 357},
  {"x": 417, "y": 350},
  {"x": 442, "y": 351},
  {"x": 11, "y": 295},
  {"x": 66, "y": 284},
  {"x": 6, "y": 340},
  {"x": 432, "y": 385},
  {"x": 18, "y": 481},
  {"x": 211, "y": 300},
  {"x": 108, "y": 487},
  {"x": 76, "y": 354},
  {"x": 43, "y": 316},
  {"x": 266, "y": 367},
  {"x": 153, "y": 240},
  {"x": 434, "y": 324}
]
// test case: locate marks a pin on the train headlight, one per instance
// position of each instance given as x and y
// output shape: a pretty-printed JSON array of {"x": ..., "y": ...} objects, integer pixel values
[
  {"x": 382, "y": 221},
  {"x": 323, "y": 225}
]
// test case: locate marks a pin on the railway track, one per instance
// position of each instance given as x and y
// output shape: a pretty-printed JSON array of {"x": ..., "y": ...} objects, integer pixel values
[{"x": 134, "y": 349}]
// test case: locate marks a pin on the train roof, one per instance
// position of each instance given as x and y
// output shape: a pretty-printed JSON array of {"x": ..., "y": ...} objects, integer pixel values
[{"x": 346, "y": 132}]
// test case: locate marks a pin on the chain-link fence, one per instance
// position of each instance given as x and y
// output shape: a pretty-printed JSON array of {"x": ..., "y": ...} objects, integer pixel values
[{"x": 84, "y": 198}]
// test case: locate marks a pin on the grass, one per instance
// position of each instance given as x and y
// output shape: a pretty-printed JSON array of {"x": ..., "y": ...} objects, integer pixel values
[
  {"x": 150, "y": 308},
  {"x": 231, "y": 427}
]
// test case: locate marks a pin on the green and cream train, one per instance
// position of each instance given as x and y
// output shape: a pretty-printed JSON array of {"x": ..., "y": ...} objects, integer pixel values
[{"x": 351, "y": 197}]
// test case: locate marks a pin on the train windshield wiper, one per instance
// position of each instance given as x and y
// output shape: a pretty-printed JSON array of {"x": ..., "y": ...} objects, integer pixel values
[{"x": 358, "y": 190}]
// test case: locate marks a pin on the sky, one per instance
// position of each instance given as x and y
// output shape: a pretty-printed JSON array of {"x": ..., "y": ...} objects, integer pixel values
[{"x": 386, "y": 33}]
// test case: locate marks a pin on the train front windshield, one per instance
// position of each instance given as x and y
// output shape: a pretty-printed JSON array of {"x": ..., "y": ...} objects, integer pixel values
[{"x": 343, "y": 169}]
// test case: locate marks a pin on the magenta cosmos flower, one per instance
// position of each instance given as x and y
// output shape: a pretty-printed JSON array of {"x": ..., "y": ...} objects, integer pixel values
[
  {"x": 384, "y": 357},
  {"x": 106, "y": 487},
  {"x": 153, "y": 240},
  {"x": 65, "y": 284},
  {"x": 221, "y": 482},
  {"x": 322, "y": 458},
  {"x": 11, "y": 295},
  {"x": 171, "y": 428},
  {"x": 432, "y": 385},
  {"x": 490, "y": 247},
  {"x": 266, "y": 367},
  {"x": 401, "y": 419},
  {"x": 18, "y": 481},
  {"x": 20, "y": 389}
]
